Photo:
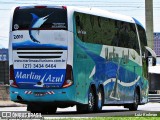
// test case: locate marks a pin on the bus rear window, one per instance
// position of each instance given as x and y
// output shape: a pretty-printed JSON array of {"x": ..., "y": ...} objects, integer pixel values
[{"x": 40, "y": 19}]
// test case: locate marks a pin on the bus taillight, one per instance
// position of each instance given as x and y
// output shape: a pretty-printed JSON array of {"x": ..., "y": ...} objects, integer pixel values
[
  {"x": 64, "y": 7},
  {"x": 12, "y": 79},
  {"x": 69, "y": 77},
  {"x": 40, "y": 6}
]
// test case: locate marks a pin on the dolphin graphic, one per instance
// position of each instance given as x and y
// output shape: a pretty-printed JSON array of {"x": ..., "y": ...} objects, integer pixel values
[{"x": 36, "y": 23}]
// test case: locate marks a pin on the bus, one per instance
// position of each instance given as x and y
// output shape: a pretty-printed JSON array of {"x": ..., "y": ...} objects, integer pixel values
[{"x": 61, "y": 56}]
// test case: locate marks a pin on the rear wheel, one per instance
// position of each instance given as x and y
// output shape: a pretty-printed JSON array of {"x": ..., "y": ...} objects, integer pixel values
[
  {"x": 90, "y": 107},
  {"x": 134, "y": 106},
  {"x": 81, "y": 108},
  {"x": 44, "y": 109},
  {"x": 34, "y": 108},
  {"x": 50, "y": 109},
  {"x": 99, "y": 100},
  {"x": 91, "y": 101}
]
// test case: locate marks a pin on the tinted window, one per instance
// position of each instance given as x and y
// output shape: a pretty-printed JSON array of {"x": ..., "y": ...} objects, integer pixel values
[
  {"x": 49, "y": 18},
  {"x": 142, "y": 36},
  {"x": 94, "y": 29},
  {"x": 100, "y": 30},
  {"x": 143, "y": 41}
]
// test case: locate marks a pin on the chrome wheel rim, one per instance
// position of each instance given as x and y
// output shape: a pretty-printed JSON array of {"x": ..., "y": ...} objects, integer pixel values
[
  {"x": 91, "y": 101},
  {"x": 99, "y": 99}
]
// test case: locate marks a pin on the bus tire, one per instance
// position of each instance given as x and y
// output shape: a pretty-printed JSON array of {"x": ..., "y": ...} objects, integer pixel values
[
  {"x": 90, "y": 107},
  {"x": 81, "y": 108},
  {"x": 50, "y": 110},
  {"x": 44, "y": 109},
  {"x": 34, "y": 108},
  {"x": 91, "y": 100},
  {"x": 134, "y": 106},
  {"x": 99, "y": 100}
]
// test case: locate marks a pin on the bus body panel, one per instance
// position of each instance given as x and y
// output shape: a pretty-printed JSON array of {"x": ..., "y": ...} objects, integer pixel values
[
  {"x": 118, "y": 68},
  {"x": 119, "y": 78}
]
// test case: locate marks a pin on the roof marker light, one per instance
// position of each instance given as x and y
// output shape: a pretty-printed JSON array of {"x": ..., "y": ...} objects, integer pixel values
[
  {"x": 40, "y": 7},
  {"x": 64, "y": 7}
]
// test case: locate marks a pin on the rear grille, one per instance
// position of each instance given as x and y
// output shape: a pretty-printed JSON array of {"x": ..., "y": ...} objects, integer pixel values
[{"x": 39, "y": 54}]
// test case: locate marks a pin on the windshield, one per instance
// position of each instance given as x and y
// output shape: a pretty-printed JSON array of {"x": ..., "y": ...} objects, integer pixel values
[{"x": 46, "y": 18}]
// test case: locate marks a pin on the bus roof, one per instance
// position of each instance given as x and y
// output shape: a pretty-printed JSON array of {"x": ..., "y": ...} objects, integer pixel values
[
  {"x": 137, "y": 22},
  {"x": 92, "y": 11},
  {"x": 103, "y": 13}
]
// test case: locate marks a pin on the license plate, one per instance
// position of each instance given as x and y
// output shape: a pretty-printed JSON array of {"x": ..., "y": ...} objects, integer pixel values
[{"x": 39, "y": 94}]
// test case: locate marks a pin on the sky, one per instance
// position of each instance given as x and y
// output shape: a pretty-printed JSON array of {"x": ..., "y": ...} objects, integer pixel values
[{"x": 133, "y": 8}]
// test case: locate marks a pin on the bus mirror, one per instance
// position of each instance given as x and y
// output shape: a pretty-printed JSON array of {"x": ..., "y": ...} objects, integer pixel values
[
  {"x": 154, "y": 62},
  {"x": 151, "y": 61},
  {"x": 151, "y": 56}
]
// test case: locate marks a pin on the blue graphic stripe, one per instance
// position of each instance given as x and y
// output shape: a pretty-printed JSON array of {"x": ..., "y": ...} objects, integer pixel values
[
  {"x": 106, "y": 69},
  {"x": 30, "y": 44}
]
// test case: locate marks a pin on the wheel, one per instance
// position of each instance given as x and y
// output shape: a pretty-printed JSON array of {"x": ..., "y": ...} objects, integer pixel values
[
  {"x": 34, "y": 108},
  {"x": 49, "y": 110},
  {"x": 134, "y": 106},
  {"x": 82, "y": 108},
  {"x": 99, "y": 100},
  {"x": 91, "y": 101},
  {"x": 44, "y": 109},
  {"x": 90, "y": 107}
]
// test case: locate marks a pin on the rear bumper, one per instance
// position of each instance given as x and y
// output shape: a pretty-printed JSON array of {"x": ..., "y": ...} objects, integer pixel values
[{"x": 51, "y": 95}]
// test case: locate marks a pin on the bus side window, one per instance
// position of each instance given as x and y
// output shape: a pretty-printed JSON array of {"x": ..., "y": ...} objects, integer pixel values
[
  {"x": 77, "y": 21},
  {"x": 143, "y": 42},
  {"x": 79, "y": 26}
]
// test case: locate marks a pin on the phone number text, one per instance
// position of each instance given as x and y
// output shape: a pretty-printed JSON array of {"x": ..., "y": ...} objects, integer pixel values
[{"x": 39, "y": 65}]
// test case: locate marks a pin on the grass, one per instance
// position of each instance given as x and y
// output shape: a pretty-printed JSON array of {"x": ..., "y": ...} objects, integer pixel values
[
  {"x": 109, "y": 118},
  {"x": 113, "y": 118}
]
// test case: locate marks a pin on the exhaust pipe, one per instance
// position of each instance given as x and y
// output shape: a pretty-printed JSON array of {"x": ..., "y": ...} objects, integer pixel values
[{"x": 19, "y": 98}]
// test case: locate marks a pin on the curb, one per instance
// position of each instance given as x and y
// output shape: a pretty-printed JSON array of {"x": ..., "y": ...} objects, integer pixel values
[
  {"x": 11, "y": 104},
  {"x": 5, "y": 99}
]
